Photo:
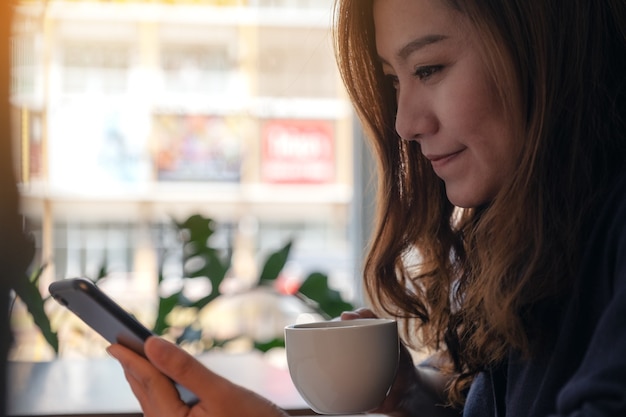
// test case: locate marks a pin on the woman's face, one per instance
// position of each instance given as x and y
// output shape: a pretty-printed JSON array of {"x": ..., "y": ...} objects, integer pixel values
[{"x": 447, "y": 101}]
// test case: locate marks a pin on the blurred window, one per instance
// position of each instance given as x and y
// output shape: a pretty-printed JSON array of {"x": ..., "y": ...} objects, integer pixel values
[
  {"x": 130, "y": 114},
  {"x": 301, "y": 4},
  {"x": 95, "y": 67},
  {"x": 298, "y": 65},
  {"x": 196, "y": 68}
]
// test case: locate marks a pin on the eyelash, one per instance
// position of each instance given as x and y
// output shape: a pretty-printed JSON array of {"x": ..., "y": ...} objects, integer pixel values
[{"x": 425, "y": 72}]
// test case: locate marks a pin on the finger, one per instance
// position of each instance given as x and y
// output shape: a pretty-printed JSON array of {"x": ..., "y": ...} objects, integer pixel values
[
  {"x": 183, "y": 368},
  {"x": 140, "y": 393},
  {"x": 153, "y": 390},
  {"x": 361, "y": 313},
  {"x": 217, "y": 395}
]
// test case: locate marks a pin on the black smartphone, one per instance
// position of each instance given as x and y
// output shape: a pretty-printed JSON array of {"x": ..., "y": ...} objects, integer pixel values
[
  {"x": 82, "y": 297},
  {"x": 100, "y": 312}
]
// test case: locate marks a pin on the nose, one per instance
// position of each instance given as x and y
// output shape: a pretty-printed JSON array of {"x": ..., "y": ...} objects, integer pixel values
[{"x": 414, "y": 117}]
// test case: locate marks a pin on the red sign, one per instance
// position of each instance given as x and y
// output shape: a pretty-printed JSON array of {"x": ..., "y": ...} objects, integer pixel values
[{"x": 295, "y": 151}]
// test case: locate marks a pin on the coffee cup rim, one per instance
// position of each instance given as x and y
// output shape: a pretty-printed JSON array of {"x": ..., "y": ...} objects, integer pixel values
[{"x": 340, "y": 324}]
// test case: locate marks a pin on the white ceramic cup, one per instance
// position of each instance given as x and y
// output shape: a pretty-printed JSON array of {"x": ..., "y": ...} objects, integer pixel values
[{"x": 343, "y": 367}]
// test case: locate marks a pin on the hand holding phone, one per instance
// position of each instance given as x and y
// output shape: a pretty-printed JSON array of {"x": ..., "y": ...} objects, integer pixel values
[{"x": 82, "y": 297}]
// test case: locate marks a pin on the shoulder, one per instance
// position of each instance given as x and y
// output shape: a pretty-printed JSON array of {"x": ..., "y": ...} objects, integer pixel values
[{"x": 595, "y": 328}]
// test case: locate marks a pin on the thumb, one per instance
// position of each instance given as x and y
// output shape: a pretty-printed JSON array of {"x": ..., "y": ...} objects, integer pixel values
[
  {"x": 184, "y": 369},
  {"x": 217, "y": 395}
]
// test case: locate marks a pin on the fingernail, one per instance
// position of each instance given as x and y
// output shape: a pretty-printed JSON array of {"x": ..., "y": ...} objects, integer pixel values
[
  {"x": 160, "y": 344},
  {"x": 112, "y": 352},
  {"x": 108, "y": 351}
]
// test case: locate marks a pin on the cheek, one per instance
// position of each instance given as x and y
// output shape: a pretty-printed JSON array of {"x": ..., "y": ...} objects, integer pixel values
[
  {"x": 466, "y": 103},
  {"x": 466, "y": 115},
  {"x": 471, "y": 93},
  {"x": 476, "y": 120},
  {"x": 475, "y": 113}
]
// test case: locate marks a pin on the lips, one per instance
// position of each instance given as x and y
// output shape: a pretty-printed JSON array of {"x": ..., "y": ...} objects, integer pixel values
[{"x": 439, "y": 160}]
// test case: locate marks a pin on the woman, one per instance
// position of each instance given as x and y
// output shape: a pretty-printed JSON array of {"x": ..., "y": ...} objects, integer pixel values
[{"x": 499, "y": 128}]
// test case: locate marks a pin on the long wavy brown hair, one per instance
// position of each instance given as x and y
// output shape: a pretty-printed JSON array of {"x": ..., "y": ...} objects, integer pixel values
[{"x": 477, "y": 283}]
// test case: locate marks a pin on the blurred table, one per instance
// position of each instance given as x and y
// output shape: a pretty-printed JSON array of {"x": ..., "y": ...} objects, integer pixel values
[{"x": 97, "y": 387}]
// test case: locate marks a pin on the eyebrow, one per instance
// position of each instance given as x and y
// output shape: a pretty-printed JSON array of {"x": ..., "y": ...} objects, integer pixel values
[
  {"x": 419, "y": 43},
  {"x": 416, "y": 44}
]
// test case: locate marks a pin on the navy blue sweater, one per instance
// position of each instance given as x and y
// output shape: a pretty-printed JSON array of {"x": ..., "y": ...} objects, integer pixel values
[{"x": 584, "y": 373}]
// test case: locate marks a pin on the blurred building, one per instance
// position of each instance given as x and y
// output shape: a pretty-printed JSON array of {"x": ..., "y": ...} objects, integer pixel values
[{"x": 131, "y": 113}]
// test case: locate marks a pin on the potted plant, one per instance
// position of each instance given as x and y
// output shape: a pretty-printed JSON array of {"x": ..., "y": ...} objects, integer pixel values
[{"x": 200, "y": 260}]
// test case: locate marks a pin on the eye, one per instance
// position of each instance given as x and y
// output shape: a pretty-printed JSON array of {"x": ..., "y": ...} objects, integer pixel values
[{"x": 425, "y": 72}]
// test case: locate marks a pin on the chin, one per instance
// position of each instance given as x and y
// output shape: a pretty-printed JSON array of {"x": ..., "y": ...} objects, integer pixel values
[{"x": 466, "y": 198}]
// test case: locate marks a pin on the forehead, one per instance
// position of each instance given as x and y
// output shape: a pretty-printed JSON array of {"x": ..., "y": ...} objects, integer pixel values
[{"x": 414, "y": 23}]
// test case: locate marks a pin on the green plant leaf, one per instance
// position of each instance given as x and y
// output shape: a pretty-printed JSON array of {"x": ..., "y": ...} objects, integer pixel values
[
  {"x": 103, "y": 271},
  {"x": 220, "y": 343},
  {"x": 200, "y": 228},
  {"x": 162, "y": 256},
  {"x": 328, "y": 301},
  {"x": 195, "y": 232},
  {"x": 274, "y": 264},
  {"x": 267, "y": 346},
  {"x": 27, "y": 289},
  {"x": 166, "y": 305},
  {"x": 213, "y": 267}
]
